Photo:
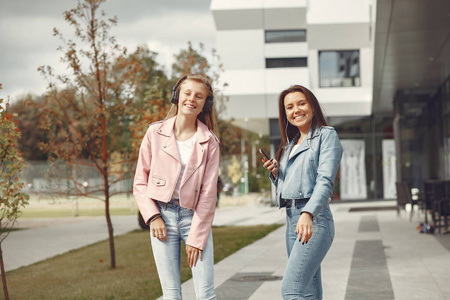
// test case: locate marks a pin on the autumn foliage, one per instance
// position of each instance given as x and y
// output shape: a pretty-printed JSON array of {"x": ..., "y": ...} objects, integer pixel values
[
  {"x": 12, "y": 199},
  {"x": 88, "y": 113}
]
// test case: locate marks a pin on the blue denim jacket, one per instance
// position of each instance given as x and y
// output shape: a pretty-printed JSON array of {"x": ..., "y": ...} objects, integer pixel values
[{"x": 311, "y": 171}]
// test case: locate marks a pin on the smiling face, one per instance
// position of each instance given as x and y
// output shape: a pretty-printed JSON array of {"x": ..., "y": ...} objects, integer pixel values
[
  {"x": 298, "y": 111},
  {"x": 192, "y": 98}
]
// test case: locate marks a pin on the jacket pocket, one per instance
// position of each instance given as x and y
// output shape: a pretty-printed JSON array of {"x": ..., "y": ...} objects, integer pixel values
[{"x": 158, "y": 181}]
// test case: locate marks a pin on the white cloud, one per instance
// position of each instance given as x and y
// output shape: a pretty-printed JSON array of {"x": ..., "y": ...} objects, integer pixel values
[
  {"x": 168, "y": 34},
  {"x": 27, "y": 35}
]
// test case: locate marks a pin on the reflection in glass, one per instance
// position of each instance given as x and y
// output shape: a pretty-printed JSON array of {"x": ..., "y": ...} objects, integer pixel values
[
  {"x": 389, "y": 169},
  {"x": 339, "y": 68},
  {"x": 353, "y": 170}
]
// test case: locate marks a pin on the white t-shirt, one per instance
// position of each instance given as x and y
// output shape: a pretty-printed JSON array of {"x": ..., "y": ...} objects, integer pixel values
[
  {"x": 293, "y": 150},
  {"x": 185, "y": 151}
]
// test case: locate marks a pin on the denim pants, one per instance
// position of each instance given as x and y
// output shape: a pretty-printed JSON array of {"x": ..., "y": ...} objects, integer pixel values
[
  {"x": 302, "y": 277},
  {"x": 167, "y": 254}
]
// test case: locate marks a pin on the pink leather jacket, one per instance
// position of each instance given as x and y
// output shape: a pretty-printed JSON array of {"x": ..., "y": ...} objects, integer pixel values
[{"x": 158, "y": 169}]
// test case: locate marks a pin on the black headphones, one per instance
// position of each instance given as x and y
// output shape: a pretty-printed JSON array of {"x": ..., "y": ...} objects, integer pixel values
[{"x": 207, "y": 108}]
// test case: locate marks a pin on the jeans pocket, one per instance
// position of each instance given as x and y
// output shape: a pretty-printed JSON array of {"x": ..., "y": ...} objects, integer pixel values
[
  {"x": 292, "y": 211},
  {"x": 186, "y": 212}
]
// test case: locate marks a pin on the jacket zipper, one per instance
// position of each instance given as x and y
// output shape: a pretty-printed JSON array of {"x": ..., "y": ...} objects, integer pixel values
[
  {"x": 312, "y": 168},
  {"x": 301, "y": 176},
  {"x": 195, "y": 196}
]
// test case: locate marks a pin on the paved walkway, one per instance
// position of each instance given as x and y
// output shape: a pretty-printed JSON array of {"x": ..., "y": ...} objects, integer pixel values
[{"x": 375, "y": 255}]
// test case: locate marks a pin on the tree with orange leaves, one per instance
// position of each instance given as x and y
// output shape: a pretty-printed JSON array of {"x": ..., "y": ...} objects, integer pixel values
[
  {"x": 12, "y": 199},
  {"x": 86, "y": 111}
]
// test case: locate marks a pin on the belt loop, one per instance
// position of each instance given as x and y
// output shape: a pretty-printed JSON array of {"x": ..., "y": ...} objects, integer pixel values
[{"x": 163, "y": 205}]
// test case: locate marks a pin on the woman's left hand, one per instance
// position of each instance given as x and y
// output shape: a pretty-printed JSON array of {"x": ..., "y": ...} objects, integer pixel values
[
  {"x": 304, "y": 227},
  {"x": 272, "y": 166},
  {"x": 192, "y": 254}
]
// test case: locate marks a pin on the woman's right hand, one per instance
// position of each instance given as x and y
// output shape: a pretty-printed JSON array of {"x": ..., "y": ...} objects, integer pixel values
[
  {"x": 272, "y": 166},
  {"x": 158, "y": 228}
]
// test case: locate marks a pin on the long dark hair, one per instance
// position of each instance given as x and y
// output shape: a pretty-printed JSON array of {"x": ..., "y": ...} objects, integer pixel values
[
  {"x": 208, "y": 117},
  {"x": 288, "y": 131}
]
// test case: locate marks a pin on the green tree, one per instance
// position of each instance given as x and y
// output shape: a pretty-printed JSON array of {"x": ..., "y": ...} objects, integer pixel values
[
  {"x": 150, "y": 101},
  {"x": 28, "y": 117},
  {"x": 12, "y": 199},
  {"x": 85, "y": 111},
  {"x": 153, "y": 76},
  {"x": 192, "y": 60}
]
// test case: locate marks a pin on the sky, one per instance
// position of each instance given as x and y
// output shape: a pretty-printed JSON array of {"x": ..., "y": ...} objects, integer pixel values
[{"x": 27, "y": 41}]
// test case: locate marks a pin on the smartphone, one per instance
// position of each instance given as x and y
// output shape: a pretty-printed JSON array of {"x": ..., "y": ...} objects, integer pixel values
[{"x": 264, "y": 154}]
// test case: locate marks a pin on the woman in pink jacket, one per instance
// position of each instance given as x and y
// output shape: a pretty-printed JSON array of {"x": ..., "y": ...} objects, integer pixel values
[{"x": 175, "y": 187}]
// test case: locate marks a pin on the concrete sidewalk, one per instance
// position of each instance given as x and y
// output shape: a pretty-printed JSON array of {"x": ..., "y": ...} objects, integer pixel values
[{"x": 375, "y": 255}]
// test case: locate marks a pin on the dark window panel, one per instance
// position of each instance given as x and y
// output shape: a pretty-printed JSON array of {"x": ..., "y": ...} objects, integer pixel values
[{"x": 289, "y": 62}]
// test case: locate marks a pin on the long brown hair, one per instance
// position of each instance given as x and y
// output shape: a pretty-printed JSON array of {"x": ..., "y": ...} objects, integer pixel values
[
  {"x": 208, "y": 117},
  {"x": 288, "y": 131}
]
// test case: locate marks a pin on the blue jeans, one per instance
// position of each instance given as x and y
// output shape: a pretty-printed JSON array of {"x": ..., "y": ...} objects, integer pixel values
[
  {"x": 302, "y": 277},
  {"x": 167, "y": 254}
]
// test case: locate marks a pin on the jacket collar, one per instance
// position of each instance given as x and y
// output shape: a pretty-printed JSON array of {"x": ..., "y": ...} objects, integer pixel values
[
  {"x": 203, "y": 133},
  {"x": 306, "y": 143},
  {"x": 311, "y": 134}
]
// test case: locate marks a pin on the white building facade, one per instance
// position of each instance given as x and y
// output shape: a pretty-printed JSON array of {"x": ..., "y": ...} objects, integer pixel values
[
  {"x": 379, "y": 68},
  {"x": 268, "y": 45},
  {"x": 325, "y": 45}
]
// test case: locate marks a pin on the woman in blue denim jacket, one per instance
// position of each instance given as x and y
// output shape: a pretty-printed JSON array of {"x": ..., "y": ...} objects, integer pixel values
[{"x": 309, "y": 157}]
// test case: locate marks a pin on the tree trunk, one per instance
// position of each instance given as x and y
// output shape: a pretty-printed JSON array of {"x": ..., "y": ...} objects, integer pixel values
[
  {"x": 111, "y": 235},
  {"x": 2, "y": 266},
  {"x": 110, "y": 227}
]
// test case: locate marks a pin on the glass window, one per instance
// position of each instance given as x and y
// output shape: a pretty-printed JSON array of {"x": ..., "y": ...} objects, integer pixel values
[
  {"x": 446, "y": 152},
  {"x": 288, "y": 62},
  {"x": 285, "y": 36},
  {"x": 339, "y": 68},
  {"x": 445, "y": 99}
]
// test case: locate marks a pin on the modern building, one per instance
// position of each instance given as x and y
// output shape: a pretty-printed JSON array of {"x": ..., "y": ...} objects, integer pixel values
[{"x": 359, "y": 57}]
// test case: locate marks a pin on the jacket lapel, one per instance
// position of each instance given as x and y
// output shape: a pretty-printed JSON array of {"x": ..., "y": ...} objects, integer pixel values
[
  {"x": 169, "y": 146},
  {"x": 306, "y": 143}
]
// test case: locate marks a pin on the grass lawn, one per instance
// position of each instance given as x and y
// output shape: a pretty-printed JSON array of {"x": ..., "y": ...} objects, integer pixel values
[{"x": 86, "y": 274}]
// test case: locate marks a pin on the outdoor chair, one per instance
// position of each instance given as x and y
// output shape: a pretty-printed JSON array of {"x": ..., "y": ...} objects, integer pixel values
[
  {"x": 437, "y": 200},
  {"x": 443, "y": 214},
  {"x": 429, "y": 199},
  {"x": 443, "y": 206},
  {"x": 404, "y": 197}
]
